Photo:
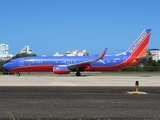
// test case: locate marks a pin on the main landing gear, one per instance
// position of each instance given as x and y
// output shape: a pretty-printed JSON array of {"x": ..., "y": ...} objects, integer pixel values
[{"x": 78, "y": 73}]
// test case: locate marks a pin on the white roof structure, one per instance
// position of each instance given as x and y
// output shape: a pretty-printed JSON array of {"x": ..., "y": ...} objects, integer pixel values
[
  {"x": 57, "y": 54},
  {"x": 27, "y": 50}
]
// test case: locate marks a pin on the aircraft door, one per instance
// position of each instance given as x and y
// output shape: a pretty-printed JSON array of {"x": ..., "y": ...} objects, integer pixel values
[{"x": 21, "y": 62}]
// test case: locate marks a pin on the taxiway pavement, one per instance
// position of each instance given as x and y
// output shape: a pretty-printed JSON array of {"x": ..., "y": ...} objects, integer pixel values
[
  {"x": 79, "y": 103},
  {"x": 86, "y": 97}
]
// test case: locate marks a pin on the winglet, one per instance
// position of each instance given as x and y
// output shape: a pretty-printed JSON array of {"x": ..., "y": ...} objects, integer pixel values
[{"x": 103, "y": 54}]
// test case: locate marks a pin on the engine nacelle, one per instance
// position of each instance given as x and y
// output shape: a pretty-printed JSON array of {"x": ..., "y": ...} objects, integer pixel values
[{"x": 61, "y": 69}]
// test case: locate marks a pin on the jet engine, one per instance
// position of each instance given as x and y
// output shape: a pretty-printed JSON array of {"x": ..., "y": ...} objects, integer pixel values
[{"x": 61, "y": 69}]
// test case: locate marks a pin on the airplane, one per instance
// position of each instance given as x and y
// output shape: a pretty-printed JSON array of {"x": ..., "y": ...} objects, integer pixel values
[{"x": 135, "y": 55}]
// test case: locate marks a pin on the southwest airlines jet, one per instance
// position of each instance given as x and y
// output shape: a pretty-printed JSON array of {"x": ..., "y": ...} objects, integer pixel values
[{"x": 135, "y": 55}]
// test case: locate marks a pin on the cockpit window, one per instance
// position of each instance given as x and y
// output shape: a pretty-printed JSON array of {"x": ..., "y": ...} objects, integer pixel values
[{"x": 12, "y": 61}]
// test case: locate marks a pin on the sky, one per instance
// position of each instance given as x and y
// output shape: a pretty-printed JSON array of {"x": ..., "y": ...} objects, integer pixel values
[{"x": 50, "y": 26}]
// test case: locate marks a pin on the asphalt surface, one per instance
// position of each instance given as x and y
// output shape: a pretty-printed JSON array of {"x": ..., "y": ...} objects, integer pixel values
[{"x": 79, "y": 103}]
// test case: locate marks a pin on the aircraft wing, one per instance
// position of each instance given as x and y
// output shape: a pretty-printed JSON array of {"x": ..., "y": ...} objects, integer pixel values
[
  {"x": 86, "y": 63},
  {"x": 144, "y": 57}
]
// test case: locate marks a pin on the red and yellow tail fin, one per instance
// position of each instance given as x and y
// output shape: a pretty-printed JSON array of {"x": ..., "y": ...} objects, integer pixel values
[{"x": 140, "y": 46}]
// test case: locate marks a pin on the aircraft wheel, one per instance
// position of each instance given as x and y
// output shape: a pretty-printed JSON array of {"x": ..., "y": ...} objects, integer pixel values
[
  {"x": 78, "y": 74},
  {"x": 18, "y": 74}
]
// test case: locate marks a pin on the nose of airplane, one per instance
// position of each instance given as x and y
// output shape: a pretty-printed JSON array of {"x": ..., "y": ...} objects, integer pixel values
[{"x": 6, "y": 66}]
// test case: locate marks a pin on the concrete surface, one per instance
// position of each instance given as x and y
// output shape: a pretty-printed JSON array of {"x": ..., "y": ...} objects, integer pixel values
[{"x": 84, "y": 80}]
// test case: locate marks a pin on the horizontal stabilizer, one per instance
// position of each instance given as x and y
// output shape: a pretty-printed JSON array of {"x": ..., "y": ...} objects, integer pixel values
[{"x": 144, "y": 57}]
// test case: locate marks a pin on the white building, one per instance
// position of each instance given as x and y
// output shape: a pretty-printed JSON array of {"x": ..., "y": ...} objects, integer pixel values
[
  {"x": 73, "y": 53},
  {"x": 155, "y": 53},
  {"x": 77, "y": 53},
  {"x": 27, "y": 50},
  {"x": 4, "y": 49},
  {"x": 4, "y": 52}
]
